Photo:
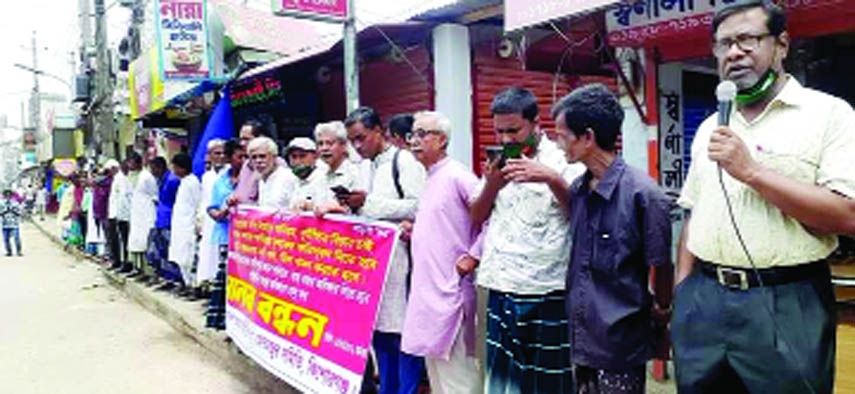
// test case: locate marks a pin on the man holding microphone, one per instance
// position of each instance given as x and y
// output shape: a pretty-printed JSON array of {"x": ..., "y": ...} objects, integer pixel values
[{"x": 754, "y": 306}]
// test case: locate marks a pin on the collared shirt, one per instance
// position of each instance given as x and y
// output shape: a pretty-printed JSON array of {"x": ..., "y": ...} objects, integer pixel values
[
  {"x": 805, "y": 135},
  {"x": 277, "y": 190},
  {"x": 527, "y": 243},
  {"x": 306, "y": 189},
  {"x": 121, "y": 193},
  {"x": 348, "y": 175},
  {"x": 440, "y": 302},
  {"x": 620, "y": 229},
  {"x": 166, "y": 201},
  {"x": 223, "y": 188},
  {"x": 10, "y": 211},
  {"x": 383, "y": 203}
]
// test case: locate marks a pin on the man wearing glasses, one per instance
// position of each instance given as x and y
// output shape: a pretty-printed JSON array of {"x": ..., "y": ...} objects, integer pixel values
[
  {"x": 526, "y": 251},
  {"x": 754, "y": 306}
]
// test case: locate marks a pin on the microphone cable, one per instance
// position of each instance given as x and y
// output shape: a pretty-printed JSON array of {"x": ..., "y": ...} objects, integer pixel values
[{"x": 763, "y": 289}]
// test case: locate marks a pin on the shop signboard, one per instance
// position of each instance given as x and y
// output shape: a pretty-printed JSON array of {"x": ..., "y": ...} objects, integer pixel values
[
  {"x": 324, "y": 10},
  {"x": 182, "y": 39},
  {"x": 257, "y": 90},
  {"x": 525, "y": 13},
  {"x": 303, "y": 292},
  {"x": 634, "y": 23}
]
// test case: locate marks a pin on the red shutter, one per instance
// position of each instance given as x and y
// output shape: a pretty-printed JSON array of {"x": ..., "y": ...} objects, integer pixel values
[
  {"x": 390, "y": 87},
  {"x": 492, "y": 75}
]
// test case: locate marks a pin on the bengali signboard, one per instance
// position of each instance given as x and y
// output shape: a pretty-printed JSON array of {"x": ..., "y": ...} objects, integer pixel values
[
  {"x": 524, "y": 13},
  {"x": 257, "y": 90},
  {"x": 634, "y": 23},
  {"x": 182, "y": 39},
  {"x": 303, "y": 292},
  {"x": 325, "y": 10},
  {"x": 671, "y": 140}
]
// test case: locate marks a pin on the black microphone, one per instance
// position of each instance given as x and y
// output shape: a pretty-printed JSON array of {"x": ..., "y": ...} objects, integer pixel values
[{"x": 725, "y": 93}]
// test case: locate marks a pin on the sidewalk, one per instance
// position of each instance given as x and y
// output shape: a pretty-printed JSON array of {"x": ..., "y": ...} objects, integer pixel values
[{"x": 184, "y": 316}]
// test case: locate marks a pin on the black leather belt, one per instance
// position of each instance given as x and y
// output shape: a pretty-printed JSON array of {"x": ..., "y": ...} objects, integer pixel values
[{"x": 745, "y": 278}]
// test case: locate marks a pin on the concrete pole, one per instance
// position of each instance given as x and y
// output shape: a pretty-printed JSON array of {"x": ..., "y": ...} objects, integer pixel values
[
  {"x": 36, "y": 100},
  {"x": 351, "y": 59},
  {"x": 105, "y": 133}
]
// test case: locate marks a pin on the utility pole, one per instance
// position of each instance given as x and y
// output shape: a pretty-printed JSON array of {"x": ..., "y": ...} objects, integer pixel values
[
  {"x": 35, "y": 100},
  {"x": 105, "y": 133},
  {"x": 351, "y": 60}
]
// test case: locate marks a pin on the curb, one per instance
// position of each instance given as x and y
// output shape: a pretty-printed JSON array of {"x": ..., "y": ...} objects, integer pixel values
[{"x": 215, "y": 342}]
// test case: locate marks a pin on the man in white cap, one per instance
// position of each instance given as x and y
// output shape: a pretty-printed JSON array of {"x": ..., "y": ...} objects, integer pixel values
[{"x": 302, "y": 154}]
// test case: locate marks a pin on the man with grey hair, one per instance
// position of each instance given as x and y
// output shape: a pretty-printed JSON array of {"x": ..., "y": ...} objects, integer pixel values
[
  {"x": 208, "y": 252},
  {"x": 342, "y": 174},
  {"x": 439, "y": 324},
  {"x": 275, "y": 184}
]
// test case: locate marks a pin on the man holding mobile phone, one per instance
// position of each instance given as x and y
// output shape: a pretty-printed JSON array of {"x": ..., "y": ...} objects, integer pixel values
[
  {"x": 342, "y": 175},
  {"x": 525, "y": 254}
]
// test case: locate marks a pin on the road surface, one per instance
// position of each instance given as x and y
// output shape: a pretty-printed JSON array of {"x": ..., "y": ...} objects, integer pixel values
[{"x": 65, "y": 330}]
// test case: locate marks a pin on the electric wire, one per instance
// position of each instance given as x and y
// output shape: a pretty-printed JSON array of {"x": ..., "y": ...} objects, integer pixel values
[{"x": 763, "y": 288}]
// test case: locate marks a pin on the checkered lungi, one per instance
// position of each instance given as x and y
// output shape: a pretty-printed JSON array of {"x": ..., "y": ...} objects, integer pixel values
[{"x": 528, "y": 350}]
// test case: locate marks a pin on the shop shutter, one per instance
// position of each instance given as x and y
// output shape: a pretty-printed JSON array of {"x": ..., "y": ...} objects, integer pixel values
[
  {"x": 394, "y": 87},
  {"x": 492, "y": 75}
]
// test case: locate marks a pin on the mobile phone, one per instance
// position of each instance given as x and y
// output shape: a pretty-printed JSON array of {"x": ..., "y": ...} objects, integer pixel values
[
  {"x": 340, "y": 190},
  {"x": 495, "y": 154}
]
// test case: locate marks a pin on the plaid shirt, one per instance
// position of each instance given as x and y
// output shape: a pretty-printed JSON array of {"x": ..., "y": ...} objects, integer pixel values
[{"x": 10, "y": 211}]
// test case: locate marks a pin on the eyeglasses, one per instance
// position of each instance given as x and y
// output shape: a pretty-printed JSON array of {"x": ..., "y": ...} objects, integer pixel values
[
  {"x": 259, "y": 157},
  {"x": 745, "y": 42},
  {"x": 420, "y": 133}
]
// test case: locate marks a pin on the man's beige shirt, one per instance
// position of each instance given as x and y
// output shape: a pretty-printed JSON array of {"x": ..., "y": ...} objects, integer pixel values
[{"x": 802, "y": 134}]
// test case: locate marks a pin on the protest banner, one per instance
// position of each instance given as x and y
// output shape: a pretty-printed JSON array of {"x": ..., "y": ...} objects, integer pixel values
[{"x": 302, "y": 294}]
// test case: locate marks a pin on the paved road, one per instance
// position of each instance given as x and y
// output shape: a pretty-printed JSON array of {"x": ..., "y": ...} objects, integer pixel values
[{"x": 64, "y": 330}]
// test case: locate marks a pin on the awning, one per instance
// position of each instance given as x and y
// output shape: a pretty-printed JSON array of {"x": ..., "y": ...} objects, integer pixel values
[
  {"x": 175, "y": 111},
  {"x": 250, "y": 28}
]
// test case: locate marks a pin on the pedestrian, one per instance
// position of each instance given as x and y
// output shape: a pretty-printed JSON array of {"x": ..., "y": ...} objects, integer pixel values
[
  {"x": 183, "y": 243},
  {"x": 143, "y": 213},
  {"x": 754, "y": 304},
  {"x": 400, "y": 126},
  {"x": 397, "y": 179},
  {"x": 119, "y": 216},
  {"x": 307, "y": 177},
  {"x": 10, "y": 211},
  {"x": 275, "y": 184},
  {"x": 206, "y": 267},
  {"x": 247, "y": 190},
  {"x": 440, "y": 318},
  {"x": 159, "y": 242},
  {"x": 526, "y": 250},
  {"x": 41, "y": 202},
  {"x": 103, "y": 184},
  {"x": 223, "y": 199},
  {"x": 95, "y": 237},
  {"x": 621, "y": 229}
]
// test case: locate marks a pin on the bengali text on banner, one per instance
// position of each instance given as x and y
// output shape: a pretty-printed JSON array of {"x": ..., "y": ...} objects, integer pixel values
[{"x": 302, "y": 294}]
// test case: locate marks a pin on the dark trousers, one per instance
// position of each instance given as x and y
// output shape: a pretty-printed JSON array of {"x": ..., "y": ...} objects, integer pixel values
[
  {"x": 117, "y": 239},
  {"x": 726, "y": 341},
  {"x": 400, "y": 373},
  {"x": 8, "y": 235}
]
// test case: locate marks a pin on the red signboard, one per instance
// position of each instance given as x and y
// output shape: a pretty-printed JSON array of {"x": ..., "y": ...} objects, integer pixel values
[
  {"x": 329, "y": 10},
  {"x": 524, "y": 13}
]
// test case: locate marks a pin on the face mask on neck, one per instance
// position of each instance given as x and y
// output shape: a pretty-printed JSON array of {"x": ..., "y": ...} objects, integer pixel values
[
  {"x": 759, "y": 91},
  {"x": 516, "y": 150},
  {"x": 302, "y": 172}
]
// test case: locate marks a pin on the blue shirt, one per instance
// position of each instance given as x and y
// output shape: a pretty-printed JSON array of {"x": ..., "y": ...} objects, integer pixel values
[
  {"x": 223, "y": 188},
  {"x": 166, "y": 200},
  {"x": 620, "y": 229}
]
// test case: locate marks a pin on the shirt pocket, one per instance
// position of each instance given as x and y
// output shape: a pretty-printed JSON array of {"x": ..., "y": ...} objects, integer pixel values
[
  {"x": 793, "y": 165},
  {"x": 605, "y": 247},
  {"x": 534, "y": 207}
]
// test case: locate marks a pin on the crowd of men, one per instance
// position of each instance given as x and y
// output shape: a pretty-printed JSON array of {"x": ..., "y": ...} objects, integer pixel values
[{"x": 572, "y": 244}]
